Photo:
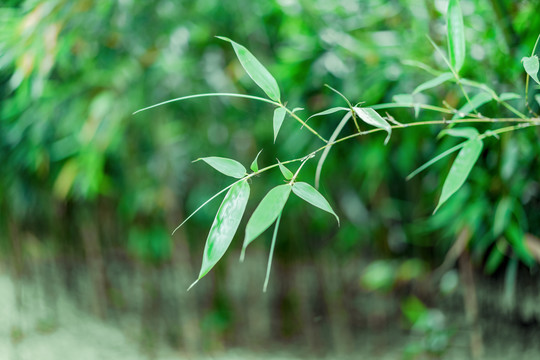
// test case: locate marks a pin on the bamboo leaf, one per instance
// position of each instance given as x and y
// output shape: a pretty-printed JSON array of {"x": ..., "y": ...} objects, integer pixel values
[
  {"x": 311, "y": 195},
  {"x": 271, "y": 254},
  {"x": 256, "y": 70},
  {"x": 509, "y": 96},
  {"x": 279, "y": 116},
  {"x": 531, "y": 66},
  {"x": 502, "y": 215},
  {"x": 434, "y": 160},
  {"x": 456, "y": 35},
  {"x": 254, "y": 165},
  {"x": 226, "y": 166},
  {"x": 287, "y": 174},
  {"x": 460, "y": 169},
  {"x": 266, "y": 213},
  {"x": 371, "y": 117},
  {"x": 326, "y": 151},
  {"x": 464, "y": 132},
  {"x": 444, "y": 77},
  {"x": 495, "y": 258},
  {"x": 224, "y": 226},
  {"x": 476, "y": 101}
]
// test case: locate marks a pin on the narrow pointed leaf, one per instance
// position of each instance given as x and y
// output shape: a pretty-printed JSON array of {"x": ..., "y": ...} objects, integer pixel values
[
  {"x": 456, "y": 35},
  {"x": 464, "y": 132},
  {"x": 403, "y": 98},
  {"x": 226, "y": 166},
  {"x": 531, "y": 66},
  {"x": 476, "y": 101},
  {"x": 509, "y": 96},
  {"x": 254, "y": 165},
  {"x": 371, "y": 117},
  {"x": 271, "y": 255},
  {"x": 266, "y": 213},
  {"x": 311, "y": 195},
  {"x": 279, "y": 116},
  {"x": 326, "y": 151},
  {"x": 444, "y": 77},
  {"x": 460, "y": 169},
  {"x": 224, "y": 226},
  {"x": 537, "y": 98},
  {"x": 256, "y": 70},
  {"x": 287, "y": 174},
  {"x": 434, "y": 160}
]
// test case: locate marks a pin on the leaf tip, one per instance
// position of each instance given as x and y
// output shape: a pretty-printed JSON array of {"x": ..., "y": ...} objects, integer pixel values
[{"x": 192, "y": 285}]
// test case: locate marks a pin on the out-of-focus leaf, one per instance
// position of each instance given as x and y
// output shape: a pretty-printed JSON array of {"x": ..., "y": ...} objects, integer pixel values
[
  {"x": 516, "y": 238},
  {"x": 460, "y": 169},
  {"x": 464, "y": 132},
  {"x": 266, "y": 213},
  {"x": 444, "y": 77},
  {"x": 476, "y": 101},
  {"x": 254, "y": 165},
  {"x": 371, "y": 117},
  {"x": 495, "y": 258},
  {"x": 311, "y": 195},
  {"x": 287, "y": 174},
  {"x": 224, "y": 226},
  {"x": 531, "y": 66},
  {"x": 226, "y": 166},
  {"x": 510, "y": 280},
  {"x": 537, "y": 98},
  {"x": 256, "y": 70},
  {"x": 279, "y": 116},
  {"x": 407, "y": 99},
  {"x": 379, "y": 275},
  {"x": 502, "y": 215},
  {"x": 456, "y": 35},
  {"x": 509, "y": 96}
]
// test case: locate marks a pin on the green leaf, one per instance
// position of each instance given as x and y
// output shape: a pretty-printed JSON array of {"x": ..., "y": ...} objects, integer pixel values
[
  {"x": 287, "y": 174},
  {"x": 509, "y": 96},
  {"x": 271, "y": 254},
  {"x": 266, "y": 213},
  {"x": 254, "y": 166},
  {"x": 444, "y": 77},
  {"x": 279, "y": 116},
  {"x": 495, "y": 258},
  {"x": 326, "y": 151},
  {"x": 456, "y": 35},
  {"x": 464, "y": 132},
  {"x": 407, "y": 99},
  {"x": 434, "y": 160},
  {"x": 537, "y": 98},
  {"x": 476, "y": 101},
  {"x": 460, "y": 169},
  {"x": 256, "y": 70},
  {"x": 516, "y": 238},
  {"x": 531, "y": 66},
  {"x": 311, "y": 195},
  {"x": 371, "y": 117},
  {"x": 502, "y": 215},
  {"x": 226, "y": 166},
  {"x": 224, "y": 226}
]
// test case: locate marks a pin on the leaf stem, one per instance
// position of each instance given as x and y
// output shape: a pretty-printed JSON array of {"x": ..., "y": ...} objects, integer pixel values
[{"x": 208, "y": 95}]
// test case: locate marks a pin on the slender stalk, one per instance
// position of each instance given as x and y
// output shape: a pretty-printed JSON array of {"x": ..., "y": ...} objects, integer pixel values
[
  {"x": 208, "y": 95},
  {"x": 303, "y": 123}
]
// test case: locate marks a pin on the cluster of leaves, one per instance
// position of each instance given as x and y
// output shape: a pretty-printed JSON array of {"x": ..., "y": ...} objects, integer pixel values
[{"x": 270, "y": 209}]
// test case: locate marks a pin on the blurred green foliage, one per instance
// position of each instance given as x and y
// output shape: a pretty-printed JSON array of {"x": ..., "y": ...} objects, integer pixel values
[{"x": 72, "y": 72}]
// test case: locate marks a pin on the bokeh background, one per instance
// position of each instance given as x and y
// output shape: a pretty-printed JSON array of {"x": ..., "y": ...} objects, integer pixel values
[{"x": 89, "y": 193}]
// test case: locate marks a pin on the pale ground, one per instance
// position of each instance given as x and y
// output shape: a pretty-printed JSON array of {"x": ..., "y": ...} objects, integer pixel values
[{"x": 29, "y": 333}]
